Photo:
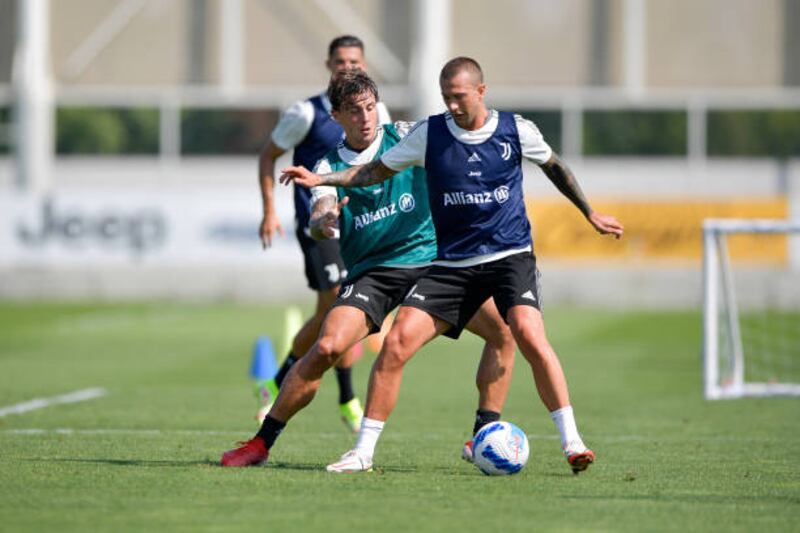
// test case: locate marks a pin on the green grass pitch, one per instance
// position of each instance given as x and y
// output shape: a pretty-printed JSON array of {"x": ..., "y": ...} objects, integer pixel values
[{"x": 144, "y": 457}]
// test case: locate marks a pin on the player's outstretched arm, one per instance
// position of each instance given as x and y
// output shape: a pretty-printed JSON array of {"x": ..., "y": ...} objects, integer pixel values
[
  {"x": 325, "y": 216},
  {"x": 266, "y": 180},
  {"x": 356, "y": 176},
  {"x": 565, "y": 181}
]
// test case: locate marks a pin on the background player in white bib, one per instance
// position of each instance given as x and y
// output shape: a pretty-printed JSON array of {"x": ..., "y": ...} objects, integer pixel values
[
  {"x": 308, "y": 128},
  {"x": 473, "y": 159}
]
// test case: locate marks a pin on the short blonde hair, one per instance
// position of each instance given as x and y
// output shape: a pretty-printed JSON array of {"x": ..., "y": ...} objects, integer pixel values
[{"x": 457, "y": 65}]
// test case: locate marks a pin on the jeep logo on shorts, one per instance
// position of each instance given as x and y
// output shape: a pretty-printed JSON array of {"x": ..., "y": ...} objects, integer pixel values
[
  {"x": 406, "y": 203},
  {"x": 501, "y": 194}
]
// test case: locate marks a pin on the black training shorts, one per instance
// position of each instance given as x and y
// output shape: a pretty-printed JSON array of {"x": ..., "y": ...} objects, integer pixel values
[
  {"x": 324, "y": 266},
  {"x": 455, "y": 294},
  {"x": 378, "y": 291}
]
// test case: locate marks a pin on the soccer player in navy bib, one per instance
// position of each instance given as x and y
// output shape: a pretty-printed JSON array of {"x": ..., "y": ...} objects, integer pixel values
[
  {"x": 473, "y": 158},
  {"x": 388, "y": 242},
  {"x": 308, "y": 128}
]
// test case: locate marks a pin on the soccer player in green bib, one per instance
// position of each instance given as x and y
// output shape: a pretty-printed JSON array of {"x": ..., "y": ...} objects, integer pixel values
[{"x": 387, "y": 241}]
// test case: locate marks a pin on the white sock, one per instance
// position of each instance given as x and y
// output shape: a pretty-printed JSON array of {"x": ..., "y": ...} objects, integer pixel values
[
  {"x": 368, "y": 436},
  {"x": 564, "y": 419}
]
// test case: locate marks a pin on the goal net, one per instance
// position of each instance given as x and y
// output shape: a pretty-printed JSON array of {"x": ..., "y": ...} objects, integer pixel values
[{"x": 751, "y": 311}]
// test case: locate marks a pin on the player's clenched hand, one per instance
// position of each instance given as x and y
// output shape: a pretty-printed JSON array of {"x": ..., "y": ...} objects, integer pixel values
[
  {"x": 327, "y": 225},
  {"x": 269, "y": 225},
  {"x": 301, "y": 176},
  {"x": 606, "y": 224}
]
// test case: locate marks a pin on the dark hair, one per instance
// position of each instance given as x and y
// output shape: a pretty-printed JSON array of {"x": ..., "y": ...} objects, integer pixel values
[
  {"x": 349, "y": 84},
  {"x": 458, "y": 64},
  {"x": 344, "y": 41}
]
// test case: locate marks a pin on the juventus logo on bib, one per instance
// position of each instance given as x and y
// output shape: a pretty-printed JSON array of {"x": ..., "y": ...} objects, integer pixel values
[{"x": 506, "y": 155}]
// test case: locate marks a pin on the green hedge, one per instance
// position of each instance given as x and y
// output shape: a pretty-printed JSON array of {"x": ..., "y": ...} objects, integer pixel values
[
  {"x": 634, "y": 133},
  {"x": 225, "y": 132},
  {"x": 754, "y": 133},
  {"x": 106, "y": 131}
]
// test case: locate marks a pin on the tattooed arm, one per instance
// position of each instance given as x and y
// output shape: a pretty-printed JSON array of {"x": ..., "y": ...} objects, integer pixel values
[
  {"x": 566, "y": 182},
  {"x": 356, "y": 176}
]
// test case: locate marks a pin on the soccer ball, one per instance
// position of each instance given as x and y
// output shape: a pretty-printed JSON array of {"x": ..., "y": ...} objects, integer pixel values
[{"x": 500, "y": 449}]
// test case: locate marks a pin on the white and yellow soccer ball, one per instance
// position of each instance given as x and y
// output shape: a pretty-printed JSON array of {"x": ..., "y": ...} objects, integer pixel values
[{"x": 500, "y": 449}]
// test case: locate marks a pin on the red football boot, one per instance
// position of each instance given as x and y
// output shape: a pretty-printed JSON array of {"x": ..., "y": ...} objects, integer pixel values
[
  {"x": 250, "y": 453},
  {"x": 466, "y": 452},
  {"x": 580, "y": 461}
]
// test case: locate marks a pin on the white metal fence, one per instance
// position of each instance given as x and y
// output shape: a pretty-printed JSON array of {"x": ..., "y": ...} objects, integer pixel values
[{"x": 570, "y": 102}]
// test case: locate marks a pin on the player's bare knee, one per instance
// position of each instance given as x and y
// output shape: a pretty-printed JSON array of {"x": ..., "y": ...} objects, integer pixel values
[
  {"x": 518, "y": 331},
  {"x": 328, "y": 350},
  {"x": 531, "y": 344},
  {"x": 395, "y": 350}
]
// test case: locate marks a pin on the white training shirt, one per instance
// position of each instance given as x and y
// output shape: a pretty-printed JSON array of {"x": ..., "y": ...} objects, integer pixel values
[
  {"x": 296, "y": 121},
  {"x": 411, "y": 151}
]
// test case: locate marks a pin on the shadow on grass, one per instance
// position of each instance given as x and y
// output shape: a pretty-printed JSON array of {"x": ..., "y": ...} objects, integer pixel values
[
  {"x": 566, "y": 474},
  {"x": 378, "y": 470},
  {"x": 308, "y": 467},
  {"x": 132, "y": 462},
  {"x": 277, "y": 465},
  {"x": 321, "y": 467}
]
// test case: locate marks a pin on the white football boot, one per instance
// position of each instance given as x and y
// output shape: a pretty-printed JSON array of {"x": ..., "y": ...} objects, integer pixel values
[{"x": 351, "y": 461}]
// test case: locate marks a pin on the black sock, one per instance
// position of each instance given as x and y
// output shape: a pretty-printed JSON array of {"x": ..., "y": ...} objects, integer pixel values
[
  {"x": 287, "y": 364},
  {"x": 343, "y": 376},
  {"x": 482, "y": 418},
  {"x": 270, "y": 429}
]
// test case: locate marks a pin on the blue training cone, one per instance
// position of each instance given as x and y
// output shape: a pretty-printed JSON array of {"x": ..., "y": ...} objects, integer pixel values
[{"x": 264, "y": 365}]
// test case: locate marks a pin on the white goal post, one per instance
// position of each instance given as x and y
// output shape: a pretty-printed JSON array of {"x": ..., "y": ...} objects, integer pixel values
[{"x": 725, "y": 351}]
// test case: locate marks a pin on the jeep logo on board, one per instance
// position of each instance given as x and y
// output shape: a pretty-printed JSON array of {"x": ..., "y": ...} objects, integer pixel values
[{"x": 137, "y": 231}]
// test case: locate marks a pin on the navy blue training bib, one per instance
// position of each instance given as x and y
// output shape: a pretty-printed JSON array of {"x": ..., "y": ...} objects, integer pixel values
[{"x": 475, "y": 191}]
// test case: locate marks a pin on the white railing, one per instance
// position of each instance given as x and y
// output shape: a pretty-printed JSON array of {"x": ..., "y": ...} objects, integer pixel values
[{"x": 571, "y": 102}]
